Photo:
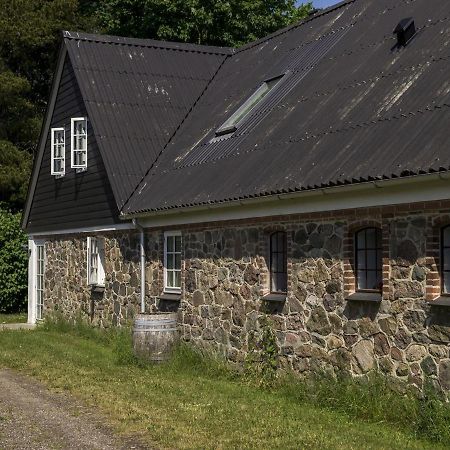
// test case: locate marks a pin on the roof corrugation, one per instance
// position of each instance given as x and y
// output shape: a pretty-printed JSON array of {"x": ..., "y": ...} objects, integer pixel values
[
  {"x": 137, "y": 92},
  {"x": 366, "y": 110}
]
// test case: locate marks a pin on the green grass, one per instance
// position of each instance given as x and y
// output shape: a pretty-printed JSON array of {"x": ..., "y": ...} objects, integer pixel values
[
  {"x": 197, "y": 403},
  {"x": 13, "y": 318}
]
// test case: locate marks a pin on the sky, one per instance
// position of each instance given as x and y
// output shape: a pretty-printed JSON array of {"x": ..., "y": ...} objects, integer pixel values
[{"x": 322, "y": 3}]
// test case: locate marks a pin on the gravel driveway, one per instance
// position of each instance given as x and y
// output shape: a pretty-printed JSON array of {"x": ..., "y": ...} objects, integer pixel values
[{"x": 32, "y": 418}]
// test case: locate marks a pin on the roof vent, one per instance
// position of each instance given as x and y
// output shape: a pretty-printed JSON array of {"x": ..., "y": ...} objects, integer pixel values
[{"x": 405, "y": 31}]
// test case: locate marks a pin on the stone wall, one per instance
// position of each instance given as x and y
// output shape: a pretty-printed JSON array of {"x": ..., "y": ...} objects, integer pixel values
[
  {"x": 66, "y": 288},
  {"x": 225, "y": 275}
]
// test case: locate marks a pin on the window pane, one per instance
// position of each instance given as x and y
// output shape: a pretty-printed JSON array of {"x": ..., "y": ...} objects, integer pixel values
[
  {"x": 170, "y": 278},
  {"x": 446, "y": 258},
  {"x": 371, "y": 238},
  {"x": 371, "y": 259},
  {"x": 177, "y": 279},
  {"x": 361, "y": 240},
  {"x": 274, "y": 242},
  {"x": 170, "y": 243},
  {"x": 446, "y": 236},
  {"x": 362, "y": 280},
  {"x": 178, "y": 243},
  {"x": 372, "y": 280},
  {"x": 361, "y": 259},
  {"x": 281, "y": 282},
  {"x": 170, "y": 261},
  {"x": 177, "y": 262},
  {"x": 447, "y": 282}
]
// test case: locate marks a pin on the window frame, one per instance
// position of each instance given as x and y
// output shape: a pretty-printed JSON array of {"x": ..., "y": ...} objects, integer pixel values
[
  {"x": 442, "y": 270},
  {"x": 52, "y": 152},
  {"x": 378, "y": 249},
  {"x": 236, "y": 119},
  {"x": 271, "y": 253},
  {"x": 99, "y": 244},
  {"x": 81, "y": 167},
  {"x": 166, "y": 288}
]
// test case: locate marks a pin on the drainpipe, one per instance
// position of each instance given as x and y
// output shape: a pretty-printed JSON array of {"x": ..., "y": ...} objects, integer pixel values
[{"x": 142, "y": 253}]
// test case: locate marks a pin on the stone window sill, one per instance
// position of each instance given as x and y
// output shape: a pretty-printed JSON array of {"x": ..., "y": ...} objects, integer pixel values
[
  {"x": 274, "y": 298},
  {"x": 443, "y": 300},
  {"x": 170, "y": 297},
  {"x": 374, "y": 297}
]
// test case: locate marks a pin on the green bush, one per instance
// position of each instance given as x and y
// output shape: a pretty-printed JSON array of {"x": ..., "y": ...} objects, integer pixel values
[{"x": 13, "y": 263}]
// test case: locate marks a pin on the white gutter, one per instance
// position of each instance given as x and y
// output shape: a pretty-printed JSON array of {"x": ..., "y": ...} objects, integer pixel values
[
  {"x": 142, "y": 254},
  {"x": 318, "y": 192}
]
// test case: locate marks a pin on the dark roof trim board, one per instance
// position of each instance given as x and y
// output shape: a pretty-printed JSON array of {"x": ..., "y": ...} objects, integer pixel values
[{"x": 44, "y": 133}]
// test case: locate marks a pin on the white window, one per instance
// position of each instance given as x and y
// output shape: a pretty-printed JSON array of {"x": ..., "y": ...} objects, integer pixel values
[
  {"x": 247, "y": 107},
  {"x": 39, "y": 280},
  {"x": 79, "y": 142},
  {"x": 96, "y": 261},
  {"x": 58, "y": 151},
  {"x": 172, "y": 261}
]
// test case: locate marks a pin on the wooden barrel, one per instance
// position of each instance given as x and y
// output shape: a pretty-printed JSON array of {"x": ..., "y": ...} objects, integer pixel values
[{"x": 154, "y": 336}]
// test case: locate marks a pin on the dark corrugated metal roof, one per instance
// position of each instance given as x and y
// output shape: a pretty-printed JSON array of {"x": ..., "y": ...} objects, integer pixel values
[
  {"x": 137, "y": 93},
  {"x": 364, "y": 110}
]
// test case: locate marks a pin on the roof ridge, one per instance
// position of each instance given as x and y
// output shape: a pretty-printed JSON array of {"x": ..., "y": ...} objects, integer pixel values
[
  {"x": 138, "y": 42},
  {"x": 304, "y": 21}
]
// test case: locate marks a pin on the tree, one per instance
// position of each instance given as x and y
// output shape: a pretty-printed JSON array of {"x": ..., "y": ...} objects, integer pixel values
[
  {"x": 228, "y": 23},
  {"x": 13, "y": 263},
  {"x": 15, "y": 169}
]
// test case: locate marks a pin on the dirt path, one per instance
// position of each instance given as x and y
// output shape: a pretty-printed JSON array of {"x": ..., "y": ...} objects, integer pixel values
[{"x": 33, "y": 418}]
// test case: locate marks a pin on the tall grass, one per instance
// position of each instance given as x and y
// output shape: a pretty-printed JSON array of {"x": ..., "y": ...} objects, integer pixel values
[{"x": 371, "y": 399}]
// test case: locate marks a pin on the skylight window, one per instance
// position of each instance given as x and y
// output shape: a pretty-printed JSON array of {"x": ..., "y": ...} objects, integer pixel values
[{"x": 230, "y": 126}]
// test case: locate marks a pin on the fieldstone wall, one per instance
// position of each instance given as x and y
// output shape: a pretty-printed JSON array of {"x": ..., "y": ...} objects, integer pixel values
[
  {"x": 225, "y": 276},
  {"x": 67, "y": 291}
]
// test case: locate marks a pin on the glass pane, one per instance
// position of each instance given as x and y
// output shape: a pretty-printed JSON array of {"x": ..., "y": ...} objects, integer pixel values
[
  {"x": 371, "y": 259},
  {"x": 170, "y": 261},
  {"x": 361, "y": 259},
  {"x": 446, "y": 258},
  {"x": 177, "y": 262},
  {"x": 372, "y": 281},
  {"x": 360, "y": 239},
  {"x": 280, "y": 242},
  {"x": 170, "y": 243},
  {"x": 447, "y": 282},
  {"x": 446, "y": 236},
  {"x": 274, "y": 242},
  {"x": 362, "y": 280},
  {"x": 177, "y": 281},
  {"x": 280, "y": 262},
  {"x": 170, "y": 278},
  {"x": 371, "y": 238},
  {"x": 178, "y": 243},
  {"x": 274, "y": 263}
]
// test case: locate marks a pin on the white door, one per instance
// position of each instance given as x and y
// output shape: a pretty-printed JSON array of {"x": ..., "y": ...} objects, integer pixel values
[{"x": 39, "y": 279}]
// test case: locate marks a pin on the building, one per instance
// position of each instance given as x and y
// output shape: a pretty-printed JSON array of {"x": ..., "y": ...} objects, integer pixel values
[{"x": 304, "y": 176}]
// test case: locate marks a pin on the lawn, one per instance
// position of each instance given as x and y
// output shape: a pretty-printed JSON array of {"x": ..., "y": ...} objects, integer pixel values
[
  {"x": 13, "y": 318},
  {"x": 188, "y": 403}
]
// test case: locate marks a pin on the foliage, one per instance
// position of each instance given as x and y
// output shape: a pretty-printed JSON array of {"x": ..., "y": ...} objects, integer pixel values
[
  {"x": 15, "y": 168},
  {"x": 261, "y": 364},
  {"x": 192, "y": 402},
  {"x": 30, "y": 35},
  {"x": 13, "y": 263},
  {"x": 229, "y": 23}
]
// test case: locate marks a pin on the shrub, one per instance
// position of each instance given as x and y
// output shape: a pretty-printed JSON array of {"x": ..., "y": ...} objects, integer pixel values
[{"x": 13, "y": 263}]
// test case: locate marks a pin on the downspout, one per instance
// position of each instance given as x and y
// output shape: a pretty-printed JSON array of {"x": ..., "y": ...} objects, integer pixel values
[{"x": 142, "y": 254}]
